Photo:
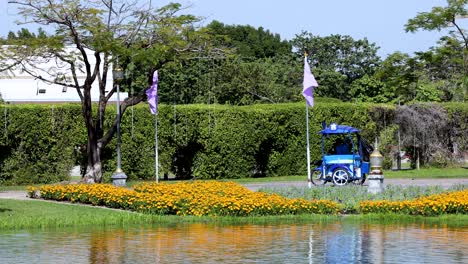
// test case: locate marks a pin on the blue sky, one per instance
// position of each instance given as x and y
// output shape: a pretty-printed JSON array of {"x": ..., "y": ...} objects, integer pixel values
[{"x": 381, "y": 21}]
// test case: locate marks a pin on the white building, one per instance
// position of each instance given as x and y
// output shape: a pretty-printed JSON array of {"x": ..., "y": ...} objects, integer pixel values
[{"x": 18, "y": 86}]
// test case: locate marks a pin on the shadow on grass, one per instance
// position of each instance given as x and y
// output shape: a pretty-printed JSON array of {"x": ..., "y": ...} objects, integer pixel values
[{"x": 2, "y": 210}]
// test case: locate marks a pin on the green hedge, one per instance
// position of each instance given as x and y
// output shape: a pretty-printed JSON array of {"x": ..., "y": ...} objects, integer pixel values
[
  {"x": 218, "y": 141},
  {"x": 37, "y": 142},
  {"x": 40, "y": 143}
]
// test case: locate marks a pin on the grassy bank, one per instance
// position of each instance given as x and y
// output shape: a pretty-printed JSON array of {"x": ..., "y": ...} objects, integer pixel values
[
  {"x": 16, "y": 215},
  {"x": 32, "y": 214}
]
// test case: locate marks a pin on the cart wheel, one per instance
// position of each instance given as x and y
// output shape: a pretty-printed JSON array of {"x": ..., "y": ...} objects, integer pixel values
[
  {"x": 317, "y": 178},
  {"x": 340, "y": 177}
]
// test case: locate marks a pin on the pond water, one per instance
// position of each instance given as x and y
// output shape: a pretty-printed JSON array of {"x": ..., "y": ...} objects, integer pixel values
[{"x": 322, "y": 242}]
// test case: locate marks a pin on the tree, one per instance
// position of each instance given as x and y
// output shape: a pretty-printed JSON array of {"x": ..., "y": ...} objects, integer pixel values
[
  {"x": 257, "y": 68},
  {"x": 232, "y": 81},
  {"x": 248, "y": 41},
  {"x": 368, "y": 89},
  {"x": 430, "y": 76},
  {"x": 103, "y": 33},
  {"x": 443, "y": 66},
  {"x": 398, "y": 74},
  {"x": 442, "y": 18},
  {"x": 338, "y": 57},
  {"x": 260, "y": 81}
]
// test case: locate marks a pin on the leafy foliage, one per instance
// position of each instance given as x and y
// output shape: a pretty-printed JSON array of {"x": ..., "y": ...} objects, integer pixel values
[
  {"x": 38, "y": 143},
  {"x": 339, "y": 60},
  {"x": 92, "y": 37},
  {"x": 457, "y": 43},
  {"x": 368, "y": 89},
  {"x": 231, "y": 81},
  {"x": 249, "y": 42},
  {"x": 232, "y": 65},
  {"x": 210, "y": 141}
]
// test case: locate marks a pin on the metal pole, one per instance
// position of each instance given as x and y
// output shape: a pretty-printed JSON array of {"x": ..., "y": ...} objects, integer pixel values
[
  {"x": 399, "y": 147},
  {"x": 309, "y": 179},
  {"x": 156, "y": 148},
  {"x": 5, "y": 117},
  {"x": 118, "y": 178},
  {"x": 119, "y": 167}
]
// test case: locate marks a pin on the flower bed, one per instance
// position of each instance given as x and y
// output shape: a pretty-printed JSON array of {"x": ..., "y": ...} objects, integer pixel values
[
  {"x": 446, "y": 203},
  {"x": 196, "y": 198}
]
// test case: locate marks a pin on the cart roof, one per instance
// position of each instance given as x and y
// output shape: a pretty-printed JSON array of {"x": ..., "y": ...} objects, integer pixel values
[{"x": 338, "y": 129}]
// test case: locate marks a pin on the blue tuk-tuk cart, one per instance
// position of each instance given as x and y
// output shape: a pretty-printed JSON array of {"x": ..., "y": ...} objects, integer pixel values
[{"x": 345, "y": 156}]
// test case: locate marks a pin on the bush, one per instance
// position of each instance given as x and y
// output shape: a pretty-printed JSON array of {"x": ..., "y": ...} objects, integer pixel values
[{"x": 40, "y": 143}]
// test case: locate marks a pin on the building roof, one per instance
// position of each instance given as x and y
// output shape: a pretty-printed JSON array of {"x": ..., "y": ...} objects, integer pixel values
[{"x": 19, "y": 87}]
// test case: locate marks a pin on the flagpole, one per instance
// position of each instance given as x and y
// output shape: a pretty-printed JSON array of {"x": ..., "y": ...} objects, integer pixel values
[
  {"x": 152, "y": 94},
  {"x": 309, "y": 179},
  {"x": 156, "y": 148},
  {"x": 308, "y": 85}
]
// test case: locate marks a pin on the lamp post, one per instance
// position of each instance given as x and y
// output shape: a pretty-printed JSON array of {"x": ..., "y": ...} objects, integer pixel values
[{"x": 118, "y": 178}]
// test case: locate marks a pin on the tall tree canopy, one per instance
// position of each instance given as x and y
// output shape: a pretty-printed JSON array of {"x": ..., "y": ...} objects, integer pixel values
[
  {"x": 448, "y": 17},
  {"x": 250, "y": 42},
  {"x": 91, "y": 36},
  {"x": 397, "y": 72},
  {"x": 259, "y": 69},
  {"x": 442, "y": 17},
  {"x": 338, "y": 61}
]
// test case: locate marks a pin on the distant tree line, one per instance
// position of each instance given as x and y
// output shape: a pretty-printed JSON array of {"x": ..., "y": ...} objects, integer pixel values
[{"x": 259, "y": 67}]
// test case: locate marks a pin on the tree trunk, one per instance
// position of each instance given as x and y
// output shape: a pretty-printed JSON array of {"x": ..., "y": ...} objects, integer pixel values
[
  {"x": 94, "y": 167},
  {"x": 96, "y": 140},
  {"x": 94, "y": 173}
]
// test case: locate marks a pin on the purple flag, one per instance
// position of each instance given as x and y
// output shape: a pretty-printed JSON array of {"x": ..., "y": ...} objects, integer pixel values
[
  {"x": 308, "y": 84},
  {"x": 152, "y": 94}
]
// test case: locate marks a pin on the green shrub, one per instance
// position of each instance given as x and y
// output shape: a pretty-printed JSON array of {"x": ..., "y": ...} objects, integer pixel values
[{"x": 40, "y": 143}]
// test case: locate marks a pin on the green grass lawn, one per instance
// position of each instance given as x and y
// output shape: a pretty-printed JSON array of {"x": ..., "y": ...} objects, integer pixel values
[
  {"x": 428, "y": 173},
  {"x": 26, "y": 214},
  {"x": 19, "y": 214}
]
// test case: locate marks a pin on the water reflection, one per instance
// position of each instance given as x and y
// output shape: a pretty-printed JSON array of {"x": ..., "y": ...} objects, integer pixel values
[{"x": 336, "y": 242}]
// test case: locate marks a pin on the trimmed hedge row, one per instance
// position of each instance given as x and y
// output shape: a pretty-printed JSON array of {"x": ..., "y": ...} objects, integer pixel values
[
  {"x": 40, "y": 143},
  {"x": 37, "y": 142},
  {"x": 218, "y": 141}
]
